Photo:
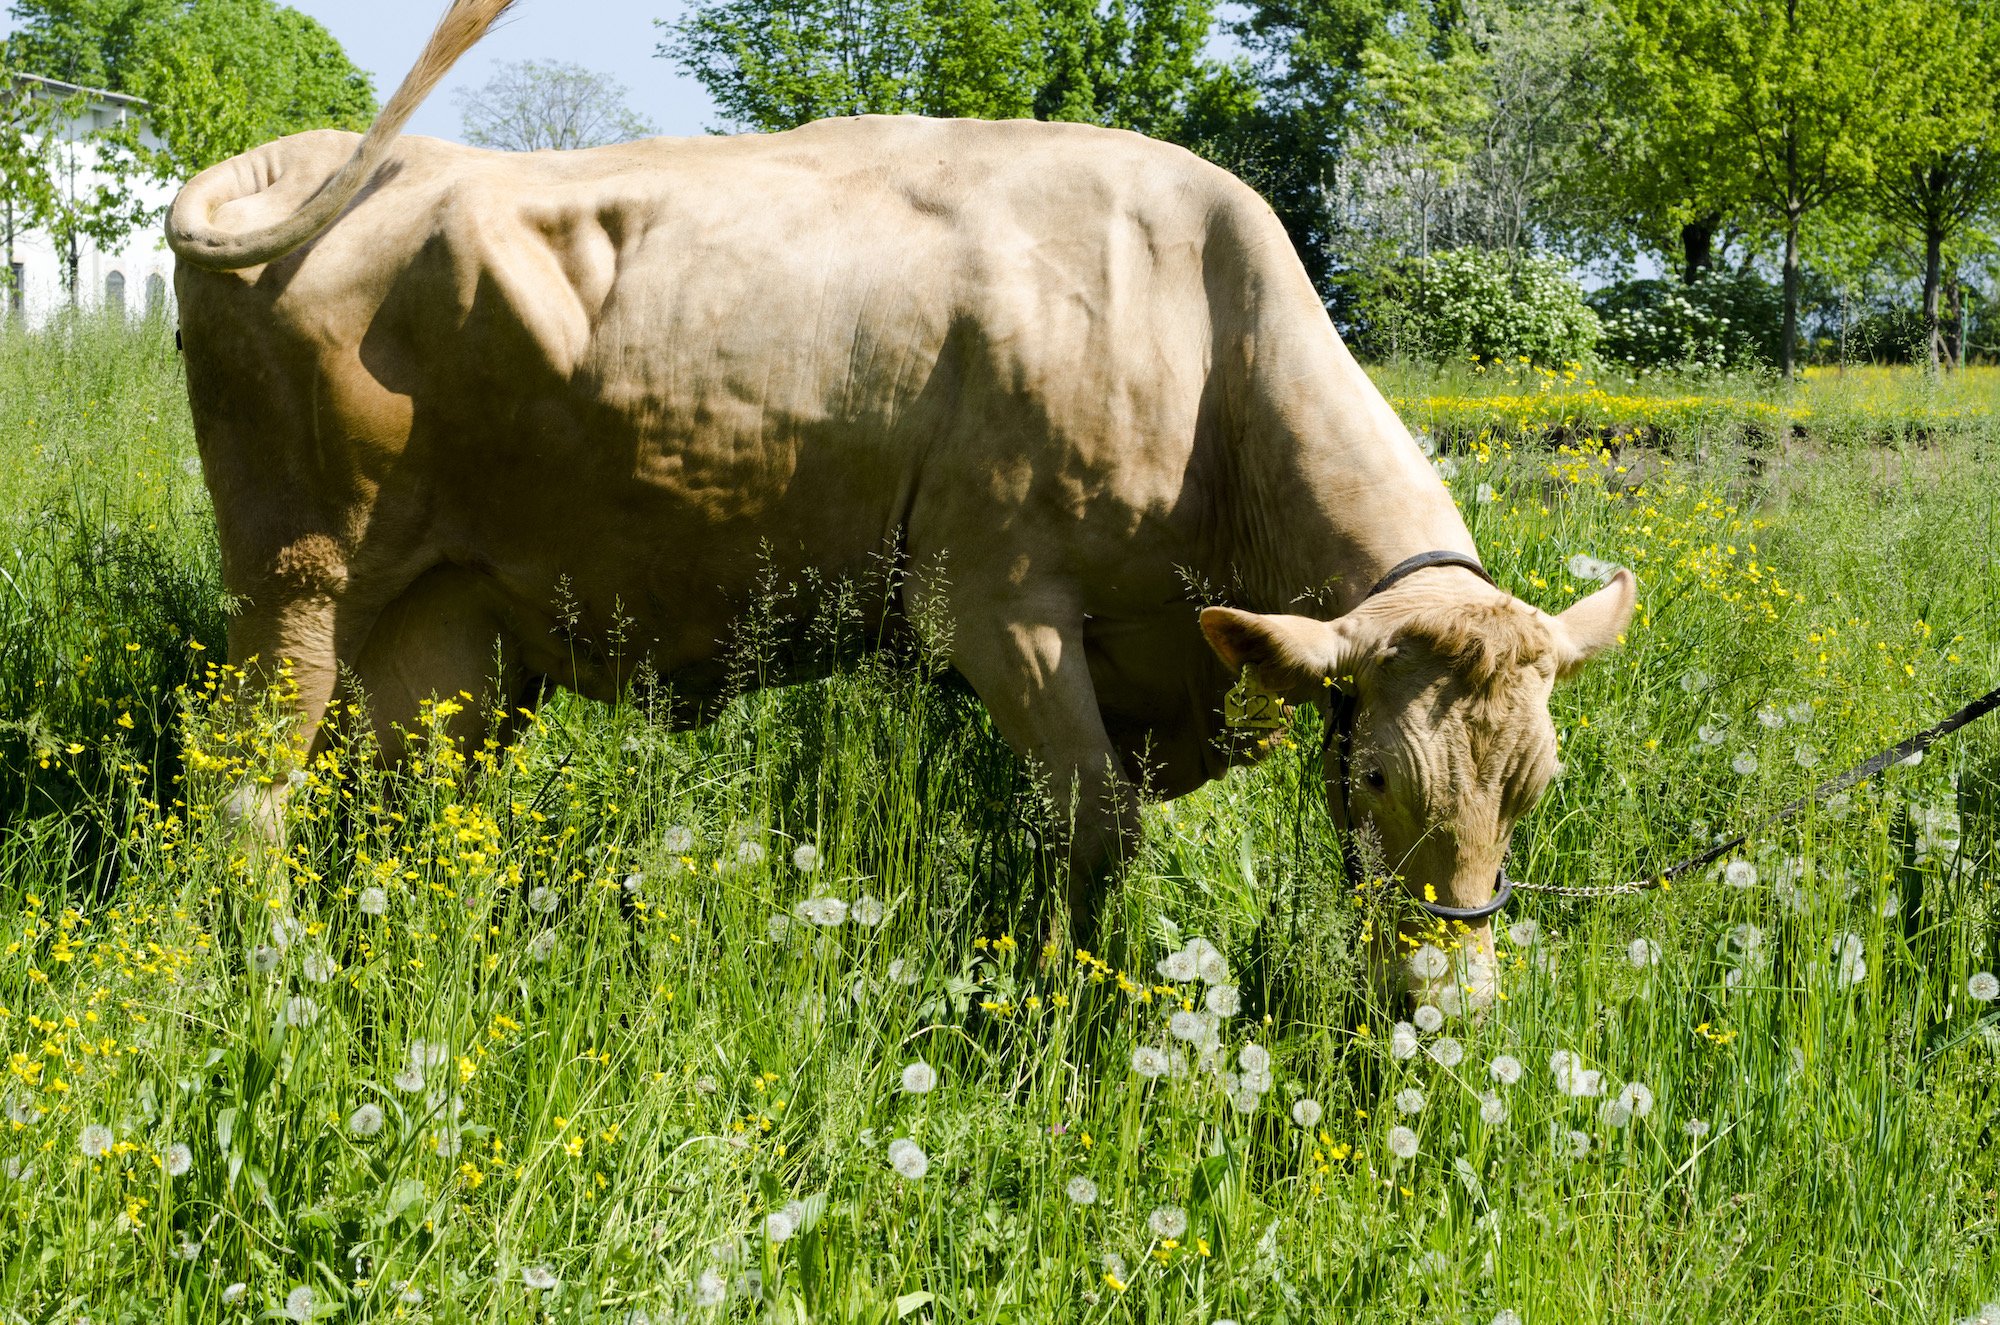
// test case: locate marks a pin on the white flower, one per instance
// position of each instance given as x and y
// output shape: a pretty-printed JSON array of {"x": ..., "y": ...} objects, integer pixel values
[
  {"x": 1524, "y": 933},
  {"x": 540, "y": 1278},
  {"x": 542, "y": 945},
  {"x": 1637, "y": 1097},
  {"x": 1307, "y": 1113},
  {"x": 1209, "y": 963},
  {"x": 365, "y": 1121},
  {"x": 908, "y": 1159},
  {"x": 1167, "y": 1221},
  {"x": 373, "y": 902},
  {"x": 299, "y": 1303},
  {"x": 1492, "y": 1109},
  {"x": 1429, "y": 962},
  {"x": 780, "y": 1225},
  {"x": 1223, "y": 1001},
  {"x": 805, "y": 858},
  {"x": 1177, "y": 967},
  {"x": 1149, "y": 1062},
  {"x": 678, "y": 840},
  {"x": 543, "y": 899},
  {"x": 1410, "y": 1100},
  {"x": 867, "y": 911},
  {"x": 95, "y": 1140},
  {"x": 1254, "y": 1058},
  {"x": 1403, "y": 1040},
  {"x": 919, "y": 1078},
  {"x": 1643, "y": 953},
  {"x": 1740, "y": 874},
  {"x": 1402, "y": 1142},
  {"x": 1081, "y": 1191},
  {"x": 1983, "y": 986},
  {"x": 1428, "y": 1018},
  {"x": 1446, "y": 1052},
  {"x": 828, "y": 912},
  {"x": 710, "y": 1288},
  {"x": 1744, "y": 763},
  {"x": 749, "y": 854},
  {"x": 177, "y": 1159},
  {"x": 1586, "y": 567},
  {"x": 1505, "y": 1069},
  {"x": 1188, "y": 1026}
]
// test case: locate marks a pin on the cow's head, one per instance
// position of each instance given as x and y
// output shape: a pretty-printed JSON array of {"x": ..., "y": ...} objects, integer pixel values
[{"x": 1451, "y": 738}]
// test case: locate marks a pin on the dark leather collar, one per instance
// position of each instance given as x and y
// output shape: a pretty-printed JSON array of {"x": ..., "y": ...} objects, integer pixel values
[{"x": 1425, "y": 560}]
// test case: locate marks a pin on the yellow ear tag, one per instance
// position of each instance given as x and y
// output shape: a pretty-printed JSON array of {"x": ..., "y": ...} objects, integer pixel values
[{"x": 1250, "y": 705}]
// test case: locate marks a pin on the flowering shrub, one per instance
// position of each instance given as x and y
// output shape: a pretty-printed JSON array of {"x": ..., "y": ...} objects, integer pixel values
[
  {"x": 1468, "y": 302},
  {"x": 1720, "y": 323}
]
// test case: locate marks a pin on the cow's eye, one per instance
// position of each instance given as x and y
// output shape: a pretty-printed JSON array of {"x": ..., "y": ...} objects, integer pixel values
[{"x": 1375, "y": 779}]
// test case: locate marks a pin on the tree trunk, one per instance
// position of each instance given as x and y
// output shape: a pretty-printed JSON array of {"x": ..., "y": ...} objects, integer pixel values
[
  {"x": 1933, "y": 287},
  {"x": 1788, "y": 355},
  {"x": 1698, "y": 248}
]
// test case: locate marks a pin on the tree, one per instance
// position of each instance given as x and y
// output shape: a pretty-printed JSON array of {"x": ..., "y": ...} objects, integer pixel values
[
  {"x": 775, "y": 64},
  {"x": 533, "y": 105},
  {"x": 222, "y": 76},
  {"x": 1941, "y": 171},
  {"x": 27, "y": 168},
  {"x": 1802, "y": 95}
]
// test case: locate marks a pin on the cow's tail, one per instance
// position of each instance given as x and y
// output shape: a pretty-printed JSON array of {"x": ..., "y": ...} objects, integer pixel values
[{"x": 191, "y": 229}]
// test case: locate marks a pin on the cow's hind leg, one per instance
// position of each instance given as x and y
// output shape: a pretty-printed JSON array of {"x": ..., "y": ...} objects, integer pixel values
[
  {"x": 441, "y": 640},
  {"x": 1028, "y": 667}
]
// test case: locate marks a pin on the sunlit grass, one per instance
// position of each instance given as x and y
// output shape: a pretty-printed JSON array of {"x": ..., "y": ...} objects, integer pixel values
[{"x": 615, "y": 1023}]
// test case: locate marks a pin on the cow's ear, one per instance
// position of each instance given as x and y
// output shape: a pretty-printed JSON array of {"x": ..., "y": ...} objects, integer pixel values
[
  {"x": 1592, "y": 625},
  {"x": 1286, "y": 655}
]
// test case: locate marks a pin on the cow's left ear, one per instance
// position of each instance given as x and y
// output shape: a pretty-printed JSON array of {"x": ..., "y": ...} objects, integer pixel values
[
  {"x": 1594, "y": 624},
  {"x": 1287, "y": 655}
]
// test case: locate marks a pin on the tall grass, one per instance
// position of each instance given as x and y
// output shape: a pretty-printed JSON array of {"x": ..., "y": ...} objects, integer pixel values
[{"x": 569, "y": 1029}]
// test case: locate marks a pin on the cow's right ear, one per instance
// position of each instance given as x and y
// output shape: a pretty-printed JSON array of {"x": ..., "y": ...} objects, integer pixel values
[{"x": 1287, "y": 655}]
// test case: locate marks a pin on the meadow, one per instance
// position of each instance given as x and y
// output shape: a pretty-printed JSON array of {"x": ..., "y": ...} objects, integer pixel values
[{"x": 612, "y": 1023}]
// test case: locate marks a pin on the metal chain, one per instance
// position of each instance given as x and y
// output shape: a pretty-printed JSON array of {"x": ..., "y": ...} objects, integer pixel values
[{"x": 1895, "y": 754}]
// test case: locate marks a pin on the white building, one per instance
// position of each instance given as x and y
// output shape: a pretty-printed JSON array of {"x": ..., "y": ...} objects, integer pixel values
[{"x": 138, "y": 274}]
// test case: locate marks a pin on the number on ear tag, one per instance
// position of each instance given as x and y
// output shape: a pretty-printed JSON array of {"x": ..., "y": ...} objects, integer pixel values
[{"x": 1248, "y": 705}]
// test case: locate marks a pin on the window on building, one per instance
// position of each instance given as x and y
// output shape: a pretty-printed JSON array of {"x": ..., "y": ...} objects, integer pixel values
[
  {"x": 156, "y": 295},
  {"x": 114, "y": 291}
]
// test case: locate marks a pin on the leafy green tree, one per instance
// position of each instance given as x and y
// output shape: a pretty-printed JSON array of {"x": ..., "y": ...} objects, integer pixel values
[
  {"x": 221, "y": 75},
  {"x": 775, "y": 64},
  {"x": 27, "y": 168},
  {"x": 1800, "y": 96},
  {"x": 1941, "y": 170}
]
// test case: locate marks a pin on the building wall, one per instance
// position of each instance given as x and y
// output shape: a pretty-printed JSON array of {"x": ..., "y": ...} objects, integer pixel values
[{"x": 138, "y": 272}]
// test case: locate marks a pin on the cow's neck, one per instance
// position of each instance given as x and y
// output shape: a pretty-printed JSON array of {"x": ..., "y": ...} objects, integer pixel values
[{"x": 1336, "y": 496}]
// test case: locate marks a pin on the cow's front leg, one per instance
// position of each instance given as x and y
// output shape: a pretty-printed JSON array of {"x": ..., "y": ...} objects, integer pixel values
[
  {"x": 286, "y": 655},
  {"x": 1028, "y": 667}
]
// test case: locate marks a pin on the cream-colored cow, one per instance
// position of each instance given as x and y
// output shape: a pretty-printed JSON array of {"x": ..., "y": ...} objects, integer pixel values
[{"x": 437, "y": 389}]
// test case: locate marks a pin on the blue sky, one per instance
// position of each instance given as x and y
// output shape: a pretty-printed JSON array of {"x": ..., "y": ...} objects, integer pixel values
[{"x": 616, "y": 37}]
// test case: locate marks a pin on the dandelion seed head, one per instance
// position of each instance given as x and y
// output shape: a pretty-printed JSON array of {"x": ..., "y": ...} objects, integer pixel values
[
  {"x": 540, "y": 1278},
  {"x": 749, "y": 855},
  {"x": 779, "y": 1225},
  {"x": 1307, "y": 1113},
  {"x": 1524, "y": 933},
  {"x": 318, "y": 967},
  {"x": 805, "y": 858},
  {"x": 1177, "y": 967},
  {"x": 1613, "y": 1114},
  {"x": 1245, "y": 1100},
  {"x": 1429, "y": 962},
  {"x": 1642, "y": 953},
  {"x": 1637, "y": 1097},
  {"x": 1744, "y": 763},
  {"x": 543, "y": 899},
  {"x": 1446, "y": 1052},
  {"x": 1167, "y": 1221},
  {"x": 373, "y": 902},
  {"x": 94, "y": 1140},
  {"x": 1740, "y": 874},
  {"x": 409, "y": 1080},
  {"x": 710, "y": 1288},
  {"x": 919, "y": 1078},
  {"x": 1428, "y": 1018},
  {"x": 1505, "y": 1069},
  {"x": 542, "y": 946},
  {"x": 826, "y": 912},
  {"x": 1254, "y": 1058},
  {"x": 1189, "y": 1026},
  {"x": 1403, "y": 1041},
  {"x": 177, "y": 1159},
  {"x": 1983, "y": 986},
  {"x": 1409, "y": 1100},
  {"x": 1492, "y": 1109},
  {"x": 908, "y": 1159},
  {"x": 1696, "y": 1128},
  {"x": 1770, "y": 717},
  {"x": 1210, "y": 966},
  {"x": 299, "y": 1303},
  {"x": 263, "y": 958},
  {"x": 1149, "y": 1062},
  {"x": 1081, "y": 1191},
  {"x": 1223, "y": 1000},
  {"x": 867, "y": 911},
  {"x": 365, "y": 1121},
  {"x": 1402, "y": 1142}
]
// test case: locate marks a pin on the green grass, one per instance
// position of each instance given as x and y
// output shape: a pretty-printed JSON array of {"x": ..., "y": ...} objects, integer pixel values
[{"x": 628, "y": 1081}]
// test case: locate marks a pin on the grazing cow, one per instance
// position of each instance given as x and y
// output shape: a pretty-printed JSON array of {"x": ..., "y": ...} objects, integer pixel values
[{"x": 438, "y": 389}]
